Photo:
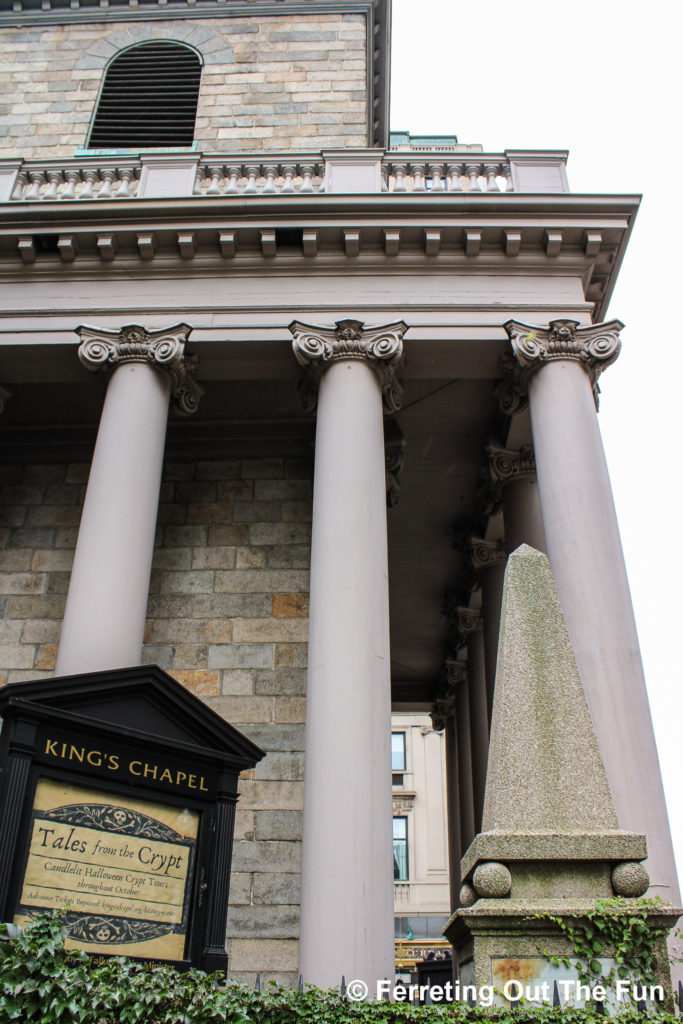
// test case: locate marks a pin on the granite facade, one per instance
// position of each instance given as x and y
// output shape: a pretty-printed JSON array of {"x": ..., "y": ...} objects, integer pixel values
[
  {"x": 269, "y": 84},
  {"x": 227, "y": 617}
]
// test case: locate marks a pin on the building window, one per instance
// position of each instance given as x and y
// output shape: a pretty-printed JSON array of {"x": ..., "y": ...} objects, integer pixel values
[
  {"x": 398, "y": 757},
  {"x": 148, "y": 98},
  {"x": 400, "y": 849}
]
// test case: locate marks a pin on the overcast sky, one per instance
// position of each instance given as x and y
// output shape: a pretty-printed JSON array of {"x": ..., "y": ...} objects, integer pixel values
[{"x": 600, "y": 78}]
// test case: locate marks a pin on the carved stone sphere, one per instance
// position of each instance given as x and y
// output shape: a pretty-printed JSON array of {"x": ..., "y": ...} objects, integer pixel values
[
  {"x": 467, "y": 896},
  {"x": 492, "y": 880},
  {"x": 630, "y": 879}
]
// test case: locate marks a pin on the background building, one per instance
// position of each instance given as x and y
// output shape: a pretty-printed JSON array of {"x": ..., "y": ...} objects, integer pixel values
[
  {"x": 285, "y": 215},
  {"x": 421, "y": 888}
]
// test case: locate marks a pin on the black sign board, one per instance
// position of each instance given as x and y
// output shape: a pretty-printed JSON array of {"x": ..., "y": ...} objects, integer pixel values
[{"x": 117, "y": 806}]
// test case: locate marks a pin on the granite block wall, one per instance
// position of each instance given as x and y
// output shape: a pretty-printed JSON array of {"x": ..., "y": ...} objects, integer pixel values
[
  {"x": 227, "y": 617},
  {"x": 295, "y": 82}
]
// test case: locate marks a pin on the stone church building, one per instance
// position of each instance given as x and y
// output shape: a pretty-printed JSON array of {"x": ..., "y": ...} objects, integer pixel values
[{"x": 280, "y": 395}]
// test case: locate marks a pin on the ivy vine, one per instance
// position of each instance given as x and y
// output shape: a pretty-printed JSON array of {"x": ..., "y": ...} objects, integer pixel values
[
  {"x": 41, "y": 982},
  {"x": 619, "y": 928}
]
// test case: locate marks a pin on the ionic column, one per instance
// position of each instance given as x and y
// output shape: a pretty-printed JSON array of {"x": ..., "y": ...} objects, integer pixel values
[
  {"x": 469, "y": 624},
  {"x": 455, "y": 678},
  {"x": 443, "y": 718},
  {"x": 513, "y": 477},
  {"x": 560, "y": 365},
  {"x": 488, "y": 560},
  {"x": 347, "y": 871},
  {"x": 104, "y": 619}
]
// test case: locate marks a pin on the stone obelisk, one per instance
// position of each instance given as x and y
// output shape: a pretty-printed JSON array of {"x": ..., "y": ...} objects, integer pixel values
[{"x": 550, "y": 841}]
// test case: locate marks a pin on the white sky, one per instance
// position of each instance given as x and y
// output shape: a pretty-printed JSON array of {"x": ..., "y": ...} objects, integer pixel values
[{"x": 600, "y": 78}]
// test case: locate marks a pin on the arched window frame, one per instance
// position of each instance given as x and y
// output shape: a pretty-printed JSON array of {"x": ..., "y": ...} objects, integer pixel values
[{"x": 89, "y": 148}]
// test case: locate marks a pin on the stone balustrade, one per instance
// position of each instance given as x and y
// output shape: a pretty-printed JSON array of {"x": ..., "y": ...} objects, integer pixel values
[
  {"x": 421, "y": 893},
  {"x": 215, "y": 177},
  {"x": 434, "y": 172},
  {"x": 74, "y": 180},
  {"x": 162, "y": 175}
]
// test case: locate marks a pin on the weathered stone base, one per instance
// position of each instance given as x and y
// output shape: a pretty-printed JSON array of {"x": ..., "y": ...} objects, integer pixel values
[{"x": 510, "y": 931}]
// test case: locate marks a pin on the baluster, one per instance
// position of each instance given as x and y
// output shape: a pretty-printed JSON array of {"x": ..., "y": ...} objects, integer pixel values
[
  {"x": 88, "y": 192},
  {"x": 270, "y": 171},
  {"x": 215, "y": 172},
  {"x": 37, "y": 178},
  {"x": 418, "y": 177},
  {"x": 199, "y": 179},
  {"x": 472, "y": 171},
  {"x": 454, "y": 172},
  {"x": 307, "y": 172},
  {"x": 72, "y": 179},
  {"x": 400, "y": 177},
  {"x": 384, "y": 174},
  {"x": 234, "y": 174},
  {"x": 108, "y": 176},
  {"x": 54, "y": 178},
  {"x": 126, "y": 175},
  {"x": 509, "y": 186},
  {"x": 435, "y": 171},
  {"x": 288, "y": 170},
  {"x": 252, "y": 174},
  {"x": 491, "y": 171},
  {"x": 20, "y": 185}
]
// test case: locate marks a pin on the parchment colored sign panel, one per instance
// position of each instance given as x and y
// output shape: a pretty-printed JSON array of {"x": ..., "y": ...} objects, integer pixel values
[{"x": 121, "y": 868}]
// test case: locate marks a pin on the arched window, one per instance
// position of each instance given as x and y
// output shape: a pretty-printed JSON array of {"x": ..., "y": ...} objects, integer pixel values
[{"x": 148, "y": 99}]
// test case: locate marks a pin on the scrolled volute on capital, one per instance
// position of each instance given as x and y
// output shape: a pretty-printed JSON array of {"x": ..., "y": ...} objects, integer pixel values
[
  {"x": 443, "y": 710},
  {"x": 595, "y": 347},
  {"x": 103, "y": 349},
  {"x": 317, "y": 347}
]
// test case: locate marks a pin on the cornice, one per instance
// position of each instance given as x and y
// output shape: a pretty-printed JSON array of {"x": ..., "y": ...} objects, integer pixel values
[
  {"x": 61, "y": 12},
  {"x": 385, "y": 229},
  {"x": 500, "y": 205}
]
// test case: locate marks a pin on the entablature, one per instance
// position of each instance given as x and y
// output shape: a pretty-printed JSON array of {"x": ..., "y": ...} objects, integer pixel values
[{"x": 428, "y": 234}]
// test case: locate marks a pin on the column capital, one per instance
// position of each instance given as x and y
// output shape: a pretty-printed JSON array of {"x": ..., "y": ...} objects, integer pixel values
[
  {"x": 508, "y": 464},
  {"x": 453, "y": 675},
  {"x": 318, "y": 347},
  {"x": 463, "y": 622},
  {"x": 485, "y": 554},
  {"x": 394, "y": 459},
  {"x": 467, "y": 620},
  {"x": 443, "y": 710},
  {"x": 102, "y": 349},
  {"x": 595, "y": 347}
]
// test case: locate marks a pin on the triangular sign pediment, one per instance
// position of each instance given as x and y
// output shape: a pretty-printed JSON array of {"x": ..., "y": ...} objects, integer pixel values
[{"x": 143, "y": 699}]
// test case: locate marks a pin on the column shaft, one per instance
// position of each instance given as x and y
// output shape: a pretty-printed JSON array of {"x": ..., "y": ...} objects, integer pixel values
[
  {"x": 522, "y": 515},
  {"x": 586, "y": 558},
  {"x": 455, "y": 848},
  {"x": 104, "y": 619},
  {"x": 347, "y": 876},
  {"x": 492, "y": 578},
  {"x": 465, "y": 772},
  {"x": 479, "y": 720}
]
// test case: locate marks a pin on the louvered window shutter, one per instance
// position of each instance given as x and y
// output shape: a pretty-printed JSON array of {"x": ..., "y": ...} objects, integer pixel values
[{"x": 148, "y": 99}]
